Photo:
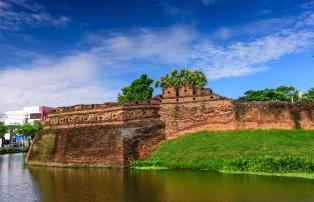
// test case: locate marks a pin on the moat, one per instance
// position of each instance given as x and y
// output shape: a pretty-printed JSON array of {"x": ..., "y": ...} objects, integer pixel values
[{"x": 20, "y": 183}]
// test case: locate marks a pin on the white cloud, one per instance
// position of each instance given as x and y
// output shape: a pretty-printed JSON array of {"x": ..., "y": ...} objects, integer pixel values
[
  {"x": 79, "y": 77},
  {"x": 90, "y": 76},
  {"x": 208, "y": 2},
  {"x": 248, "y": 57},
  {"x": 53, "y": 82},
  {"x": 259, "y": 27},
  {"x": 14, "y": 14},
  {"x": 170, "y": 46}
]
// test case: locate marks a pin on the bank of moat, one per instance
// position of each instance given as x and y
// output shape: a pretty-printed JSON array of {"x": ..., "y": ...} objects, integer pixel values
[{"x": 114, "y": 134}]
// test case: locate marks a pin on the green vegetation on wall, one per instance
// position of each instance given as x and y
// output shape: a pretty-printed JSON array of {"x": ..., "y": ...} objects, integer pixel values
[
  {"x": 270, "y": 151},
  {"x": 309, "y": 96},
  {"x": 140, "y": 89},
  {"x": 44, "y": 148},
  {"x": 176, "y": 78},
  {"x": 282, "y": 93}
]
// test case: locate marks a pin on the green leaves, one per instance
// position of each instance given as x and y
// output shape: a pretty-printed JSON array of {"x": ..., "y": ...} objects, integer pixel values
[
  {"x": 195, "y": 78},
  {"x": 2, "y": 129},
  {"x": 30, "y": 130},
  {"x": 282, "y": 93},
  {"x": 140, "y": 89},
  {"x": 309, "y": 96}
]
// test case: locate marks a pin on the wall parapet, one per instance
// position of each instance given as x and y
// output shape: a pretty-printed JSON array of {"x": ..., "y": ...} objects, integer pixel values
[
  {"x": 102, "y": 114},
  {"x": 185, "y": 91}
]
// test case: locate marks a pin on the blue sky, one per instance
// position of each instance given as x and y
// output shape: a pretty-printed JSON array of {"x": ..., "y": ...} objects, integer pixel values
[{"x": 69, "y": 52}]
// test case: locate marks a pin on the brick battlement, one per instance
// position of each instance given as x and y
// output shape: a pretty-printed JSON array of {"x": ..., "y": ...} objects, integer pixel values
[
  {"x": 102, "y": 114},
  {"x": 185, "y": 91}
]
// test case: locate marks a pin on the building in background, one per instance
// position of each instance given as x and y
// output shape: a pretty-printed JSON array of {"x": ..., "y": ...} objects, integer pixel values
[
  {"x": 29, "y": 113},
  {"x": 18, "y": 118}
]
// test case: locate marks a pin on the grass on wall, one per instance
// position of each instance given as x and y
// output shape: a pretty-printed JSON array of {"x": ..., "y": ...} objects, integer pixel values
[
  {"x": 268, "y": 151},
  {"x": 43, "y": 149}
]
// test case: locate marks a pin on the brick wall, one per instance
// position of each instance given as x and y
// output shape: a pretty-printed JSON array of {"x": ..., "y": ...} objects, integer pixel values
[
  {"x": 189, "y": 114},
  {"x": 115, "y": 134},
  {"x": 106, "y": 134}
]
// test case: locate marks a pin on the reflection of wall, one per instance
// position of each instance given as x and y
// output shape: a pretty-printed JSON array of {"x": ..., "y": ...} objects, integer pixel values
[{"x": 57, "y": 184}]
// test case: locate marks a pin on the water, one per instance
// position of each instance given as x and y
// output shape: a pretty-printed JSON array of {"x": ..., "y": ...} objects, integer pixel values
[{"x": 18, "y": 183}]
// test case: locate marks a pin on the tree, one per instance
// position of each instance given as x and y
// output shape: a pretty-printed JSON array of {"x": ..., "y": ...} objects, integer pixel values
[
  {"x": 38, "y": 126},
  {"x": 259, "y": 95},
  {"x": 30, "y": 130},
  {"x": 287, "y": 93},
  {"x": 282, "y": 93},
  {"x": 12, "y": 129},
  {"x": 2, "y": 130},
  {"x": 140, "y": 89},
  {"x": 176, "y": 78},
  {"x": 309, "y": 96}
]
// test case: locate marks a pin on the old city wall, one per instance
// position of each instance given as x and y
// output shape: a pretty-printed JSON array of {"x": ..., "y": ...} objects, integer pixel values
[
  {"x": 115, "y": 134},
  {"x": 106, "y": 134},
  {"x": 185, "y": 110}
]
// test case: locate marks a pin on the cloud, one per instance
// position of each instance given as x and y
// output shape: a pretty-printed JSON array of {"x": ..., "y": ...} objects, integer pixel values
[
  {"x": 97, "y": 72},
  {"x": 14, "y": 14},
  {"x": 170, "y": 46},
  {"x": 242, "y": 58},
  {"x": 251, "y": 56},
  {"x": 259, "y": 27},
  {"x": 208, "y": 2},
  {"x": 53, "y": 82},
  {"x": 86, "y": 76},
  {"x": 308, "y": 5}
]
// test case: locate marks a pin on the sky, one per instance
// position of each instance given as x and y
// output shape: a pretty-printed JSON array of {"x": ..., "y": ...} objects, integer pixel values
[{"x": 59, "y": 53}]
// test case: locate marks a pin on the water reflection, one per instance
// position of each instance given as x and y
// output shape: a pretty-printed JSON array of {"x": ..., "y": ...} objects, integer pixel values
[
  {"x": 15, "y": 181},
  {"x": 59, "y": 184}
]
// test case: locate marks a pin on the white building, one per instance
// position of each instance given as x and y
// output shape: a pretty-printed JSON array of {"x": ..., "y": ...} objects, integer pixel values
[
  {"x": 18, "y": 117},
  {"x": 30, "y": 113}
]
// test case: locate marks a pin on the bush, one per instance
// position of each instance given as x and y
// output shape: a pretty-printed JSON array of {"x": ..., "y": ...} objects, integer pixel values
[
  {"x": 11, "y": 150},
  {"x": 146, "y": 163},
  {"x": 281, "y": 164}
]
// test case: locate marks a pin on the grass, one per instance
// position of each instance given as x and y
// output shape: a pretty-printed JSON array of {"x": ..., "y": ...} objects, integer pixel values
[
  {"x": 279, "y": 152},
  {"x": 43, "y": 148},
  {"x": 10, "y": 150}
]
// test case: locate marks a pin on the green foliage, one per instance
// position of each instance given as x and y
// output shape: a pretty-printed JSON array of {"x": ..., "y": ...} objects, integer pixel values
[
  {"x": 44, "y": 148},
  {"x": 10, "y": 150},
  {"x": 270, "y": 151},
  {"x": 309, "y": 96},
  {"x": 139, "y": 90},
  {"x": 2, "y": 129},
  {"x": 30, "y": 130},
  {"x": 12, "y": 129},
  {"x": 176, "y": 78},
  {"x": 282, "y": 93},
  {"x": 270, "y": 164},
  {"x": 37, "y": 126},
  {"x": 147, "y": 163}
]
